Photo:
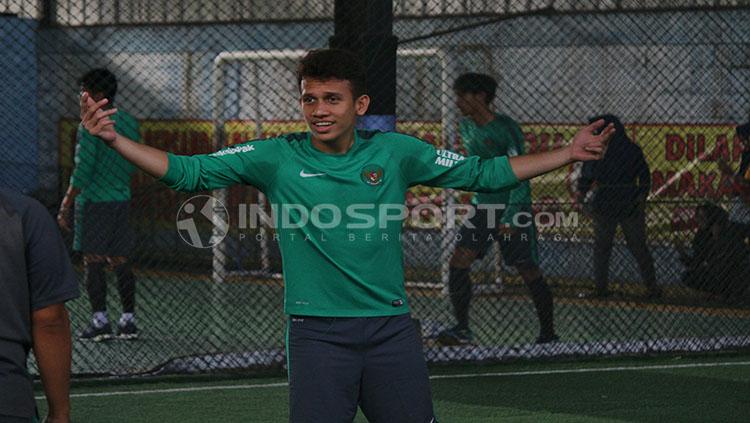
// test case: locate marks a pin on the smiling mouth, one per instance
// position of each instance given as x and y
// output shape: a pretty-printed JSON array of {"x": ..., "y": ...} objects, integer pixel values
[{"x": 322, "y": 126}]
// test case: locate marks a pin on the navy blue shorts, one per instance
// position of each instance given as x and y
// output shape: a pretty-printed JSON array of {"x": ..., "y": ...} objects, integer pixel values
[{"x": 377, "y": 363}]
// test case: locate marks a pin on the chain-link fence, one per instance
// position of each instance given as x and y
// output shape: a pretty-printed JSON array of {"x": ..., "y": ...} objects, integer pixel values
[{"x": 210, "y": 297}]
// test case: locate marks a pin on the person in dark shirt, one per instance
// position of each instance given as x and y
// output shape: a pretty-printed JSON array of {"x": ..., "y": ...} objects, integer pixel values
[
  {"x": 37, "y": 279},
  {"x": 743, "y": 133},
  {"x": 720, "y": 260},
  {"x": 621, "y": 182},
  {"x": 739, "y": 210}
]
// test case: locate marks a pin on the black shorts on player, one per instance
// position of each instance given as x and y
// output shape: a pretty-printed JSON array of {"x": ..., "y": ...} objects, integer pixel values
[
  {"x": 518, "y": 248},
  {"x": 103, "y": 229},
  {"x": 375, "y": 363}
]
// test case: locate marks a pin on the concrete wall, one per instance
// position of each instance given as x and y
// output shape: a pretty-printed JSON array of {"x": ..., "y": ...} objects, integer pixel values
[{"x": 19, "y": 157}]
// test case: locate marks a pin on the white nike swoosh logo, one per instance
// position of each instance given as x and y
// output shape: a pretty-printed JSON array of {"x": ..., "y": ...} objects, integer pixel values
[{"x": 303, "y": 174}]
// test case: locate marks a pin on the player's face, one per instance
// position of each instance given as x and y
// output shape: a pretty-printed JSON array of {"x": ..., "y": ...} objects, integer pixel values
[
  {"x": 469, "y": 103},
  {"x": 330, "y": 109}
]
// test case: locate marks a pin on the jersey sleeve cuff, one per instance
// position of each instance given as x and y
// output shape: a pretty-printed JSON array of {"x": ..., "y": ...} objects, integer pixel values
[{"x": 173, "y": 174}]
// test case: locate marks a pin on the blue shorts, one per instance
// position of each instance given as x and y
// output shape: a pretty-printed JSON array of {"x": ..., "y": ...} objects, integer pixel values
[{"x": 377, "y": 363}]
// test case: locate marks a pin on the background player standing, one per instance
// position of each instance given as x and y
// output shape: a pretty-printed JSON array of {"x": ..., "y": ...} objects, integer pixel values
[
  {"x": 488, "y": 134},
  {"x": 100, "y": 190}
]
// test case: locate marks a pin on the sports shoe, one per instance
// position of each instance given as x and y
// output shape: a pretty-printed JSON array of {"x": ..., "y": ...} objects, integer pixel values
[
  {"x": 546, "y": 339},
  {"x": 96, "y": 334},
  {"x": 455, "y": 336},
  {"x": 127, "y": 331}
]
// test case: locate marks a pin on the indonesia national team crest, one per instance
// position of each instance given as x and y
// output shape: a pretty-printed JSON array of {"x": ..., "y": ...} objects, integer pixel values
[{"x": 372, "y": 174}]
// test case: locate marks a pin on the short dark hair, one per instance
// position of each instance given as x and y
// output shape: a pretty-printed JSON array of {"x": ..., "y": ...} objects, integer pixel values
[
  {"x": 475, "y": 83},
  {"x": 100, "y": 81},
  {"x": 333, "y": 63}
]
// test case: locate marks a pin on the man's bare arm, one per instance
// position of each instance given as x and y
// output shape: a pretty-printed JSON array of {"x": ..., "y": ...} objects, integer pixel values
[
  {"x": 149, "y": 159},
  {"x": 99, "y": 124},
  {"x": 63, "y": 215},
  {"x": 50, "y": 330}
]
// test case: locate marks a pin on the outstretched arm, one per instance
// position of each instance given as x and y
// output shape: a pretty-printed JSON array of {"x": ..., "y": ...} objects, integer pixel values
[
  {"x": 254, "y": 163},
  {"x": 99, "y": 124},
  {"x": 425, "y": 165},
  {"x": 589, "y": 143}
]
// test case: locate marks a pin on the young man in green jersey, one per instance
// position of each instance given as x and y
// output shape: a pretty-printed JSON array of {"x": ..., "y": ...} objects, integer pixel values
[
  {"x": 100, "y": 190},
  {"x": 511, "y": 223},
  {"x": 350, "y": 340}
]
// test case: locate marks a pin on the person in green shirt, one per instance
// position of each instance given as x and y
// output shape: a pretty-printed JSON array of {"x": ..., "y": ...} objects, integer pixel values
[
  {"x": 100, "y": 191},
  {"x": 338, "y": 195},
  {"x": 505, "y": 217}
]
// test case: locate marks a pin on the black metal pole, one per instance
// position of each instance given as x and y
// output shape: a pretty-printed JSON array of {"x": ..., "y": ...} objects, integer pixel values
[
  {"x": 49, "y": 13},
  {"x": 365, "y": 27}
]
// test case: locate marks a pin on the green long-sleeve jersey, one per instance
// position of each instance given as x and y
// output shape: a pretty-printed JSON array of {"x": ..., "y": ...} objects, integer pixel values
[
  {"x": 500, "y": 137},
  {"x": 339, "y": 217},
  {"x": 100, "y": 173}
]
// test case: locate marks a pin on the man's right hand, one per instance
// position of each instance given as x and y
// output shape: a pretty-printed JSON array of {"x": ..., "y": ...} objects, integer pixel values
[
  {"x": 97, "y": 120},
  {"x": 63, "y": 219}
]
